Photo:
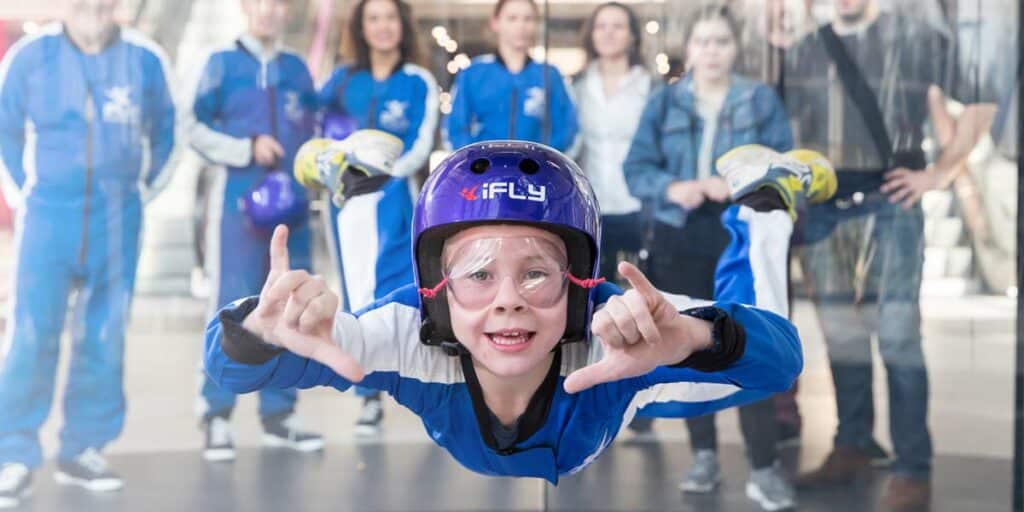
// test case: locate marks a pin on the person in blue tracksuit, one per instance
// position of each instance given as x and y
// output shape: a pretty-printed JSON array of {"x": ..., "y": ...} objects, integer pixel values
[
  {"x": 254, "y": 105},
  {"x": 507, "y": 95},
  {"x": 381, "y": 88},
  {"x": 494, "y": 350},
  {"x": 87, "y": 133}
]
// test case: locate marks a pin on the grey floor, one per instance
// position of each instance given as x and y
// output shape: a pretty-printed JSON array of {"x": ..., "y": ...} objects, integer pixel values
[{"x": 421, "y": 477}]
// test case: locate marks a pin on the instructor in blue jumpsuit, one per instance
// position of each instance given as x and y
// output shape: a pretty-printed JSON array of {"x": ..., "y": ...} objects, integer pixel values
[
  {"x": 87, "y": 130},
  {"x": 254, "y": 105}
]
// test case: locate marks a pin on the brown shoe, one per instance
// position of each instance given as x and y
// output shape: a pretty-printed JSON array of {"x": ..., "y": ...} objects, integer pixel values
[
  {"x": 907, "y": 494},
  {"x": 843, "y": 466}
]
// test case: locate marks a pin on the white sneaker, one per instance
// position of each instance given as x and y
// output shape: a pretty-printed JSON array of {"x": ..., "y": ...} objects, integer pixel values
[
  {"x": 370, "y": 417},
  {"x": 199, "y": 284},
  {"x": 15, "y": 484},
  {"x": 337, "y": 165},
  {"x": 770, "y": 489},
  {"x": 220, "y": 444},
  {"x": 704, "y": 475},
  {"x": 799, "y": 176}
]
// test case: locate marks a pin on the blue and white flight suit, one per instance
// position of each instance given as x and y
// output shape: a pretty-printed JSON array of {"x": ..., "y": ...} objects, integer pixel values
[
  {"x": 489, "y": 102},
  {"x": 243, "y": 93},
  {"x": 559, "y": 433},
  {"x": 370, "y": 234},
  {"x": 85, "y": 139}
]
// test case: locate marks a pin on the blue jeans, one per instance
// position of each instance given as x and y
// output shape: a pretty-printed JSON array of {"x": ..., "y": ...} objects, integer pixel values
[{"x": 865, "y": 277}]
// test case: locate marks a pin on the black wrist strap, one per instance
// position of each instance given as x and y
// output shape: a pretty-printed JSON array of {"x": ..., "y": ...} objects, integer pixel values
[
  {"x": 240, "y": 344},
  {"x": 730, "y": 340}
]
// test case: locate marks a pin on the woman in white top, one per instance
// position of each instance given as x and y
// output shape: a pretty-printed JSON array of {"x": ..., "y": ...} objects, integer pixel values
[{"x": 611, "y": 92}]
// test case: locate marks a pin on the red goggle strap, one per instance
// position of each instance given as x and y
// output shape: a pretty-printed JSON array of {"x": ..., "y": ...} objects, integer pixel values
[{"x": 430, "y": 293}]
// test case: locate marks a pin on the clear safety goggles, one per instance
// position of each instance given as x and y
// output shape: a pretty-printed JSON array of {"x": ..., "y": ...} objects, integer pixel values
[{"x": 475, "y": 272}]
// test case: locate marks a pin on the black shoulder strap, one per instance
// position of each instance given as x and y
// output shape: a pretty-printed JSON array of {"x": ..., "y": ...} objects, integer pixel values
[
  {"x": 546, "y": 133},
  {"x": 339, "y": 90},
  {"x": 857, "y": 87}
]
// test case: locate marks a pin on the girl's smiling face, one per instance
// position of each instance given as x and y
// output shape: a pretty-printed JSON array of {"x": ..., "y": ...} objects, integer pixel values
[{"x": 507, "y": 295}]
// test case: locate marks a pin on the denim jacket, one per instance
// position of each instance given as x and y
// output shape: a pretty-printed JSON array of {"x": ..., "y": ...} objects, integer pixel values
[{"x": 667, "y": 143}]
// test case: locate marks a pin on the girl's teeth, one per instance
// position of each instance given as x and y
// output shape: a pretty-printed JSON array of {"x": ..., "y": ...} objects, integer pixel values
[{"x": 505, "y": 339}]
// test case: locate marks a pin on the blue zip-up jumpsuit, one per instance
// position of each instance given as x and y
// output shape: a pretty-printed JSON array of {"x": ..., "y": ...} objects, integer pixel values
[
  {"x": 489, "y": 102},
  {"x": 84, "y": 139},
  {"x": 369, "y": 235},
  {"x": 558, "y": 433},
  {"x": 241, "y": 94}
]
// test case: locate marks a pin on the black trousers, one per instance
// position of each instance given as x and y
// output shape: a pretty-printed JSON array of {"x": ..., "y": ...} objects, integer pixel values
[
  {"x": 621, "y": 238},
  {"x": 683, "y": 261}
]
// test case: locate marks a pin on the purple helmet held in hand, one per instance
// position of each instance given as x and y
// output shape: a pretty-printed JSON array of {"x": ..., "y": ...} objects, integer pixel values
[
  {"x": 277, "y": 199},
  {"x": 338, "y": 126},
  {"x": 505, "y": 182}
]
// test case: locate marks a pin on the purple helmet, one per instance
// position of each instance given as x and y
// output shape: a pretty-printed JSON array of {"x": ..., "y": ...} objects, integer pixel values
[
  {"x": 277, "y": 199},
  {"x": 505, "y": 182},
  {"x": 338, "y": 126}
]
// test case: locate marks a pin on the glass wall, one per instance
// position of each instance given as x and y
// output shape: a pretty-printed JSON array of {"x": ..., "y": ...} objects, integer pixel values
[{"x": 121, "y": 235}]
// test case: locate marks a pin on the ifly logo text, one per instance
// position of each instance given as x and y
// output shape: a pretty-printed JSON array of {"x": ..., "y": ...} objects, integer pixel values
[{"x": 535, "y": 193}]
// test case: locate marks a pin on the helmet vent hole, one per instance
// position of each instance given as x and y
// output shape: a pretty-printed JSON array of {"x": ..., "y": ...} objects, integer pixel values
[
  {"x": 480, "y": 165},
  {"x": 529, "y": 166}
]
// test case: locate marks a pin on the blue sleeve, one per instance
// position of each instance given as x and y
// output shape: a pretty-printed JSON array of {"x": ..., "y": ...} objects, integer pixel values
[
  {"x": 13, "y": 99},
  {"x": 645, "y": 164},
  {"x": 207, "y": 102},
  {"x": 329, "y": 96},
  {"x": 423, "y": 113},
  {"x": 308, "y": 99},
  {"x": 564, "y": 124},
  {"x": 605, "y": 291},
  {"x": 286, "y": 370},
  {"x": 771, "y": 360},
  {"x": 457, "y": 123},
  {"x": 207, "y": 105},
  {"x": 775, "y": 131},
  {"x": 161, "y": 125}
]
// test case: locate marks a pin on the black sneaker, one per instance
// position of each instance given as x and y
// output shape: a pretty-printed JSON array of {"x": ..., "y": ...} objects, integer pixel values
[
  {"x": 370, "y": 416},
  {"x": 15, "y": 484},
  {"x": 282, "y": 431},
  {"x": 90, "y": 471},
  {"x": 219, "y": 444}
]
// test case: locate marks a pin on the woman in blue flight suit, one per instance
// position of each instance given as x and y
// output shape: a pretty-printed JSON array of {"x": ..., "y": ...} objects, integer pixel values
[
  {"x": 380, "y": 87},
  {"x": 507, "y": 95}
]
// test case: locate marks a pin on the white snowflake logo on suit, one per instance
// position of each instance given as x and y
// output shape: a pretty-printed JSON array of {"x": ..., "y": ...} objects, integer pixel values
[
  {"x": 118, "y": 107},
  {"x": 393, "y": 118}
]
